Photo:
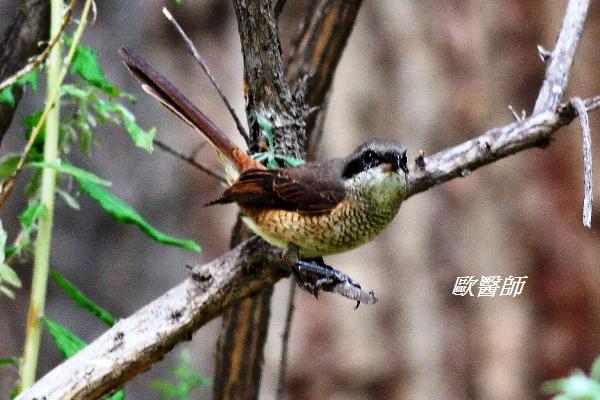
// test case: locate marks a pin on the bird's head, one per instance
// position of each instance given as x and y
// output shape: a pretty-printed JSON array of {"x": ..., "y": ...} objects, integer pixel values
[{"x": 378, "y": 168}]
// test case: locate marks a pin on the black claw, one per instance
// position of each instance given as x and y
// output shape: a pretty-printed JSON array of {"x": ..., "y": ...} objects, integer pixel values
[{"x": 357, "y": 304}]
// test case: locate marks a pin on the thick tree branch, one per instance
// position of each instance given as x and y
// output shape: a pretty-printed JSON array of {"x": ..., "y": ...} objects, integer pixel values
[
  {"x": 135, "y": 343},
  {"x": 317, "y": 51},
  {"x": 20, "y": 42},
  {"x": 244, "y": 327}
]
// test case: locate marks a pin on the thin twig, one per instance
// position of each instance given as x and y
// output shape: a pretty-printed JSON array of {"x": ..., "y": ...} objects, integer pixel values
[
  {"x": 44, "y": 54},
  {"x": 190, "y": 160},
  {"x": 285, "y": 341},
  {"x": 580, "y": 106},
  {"x": 200, "y": 61}
]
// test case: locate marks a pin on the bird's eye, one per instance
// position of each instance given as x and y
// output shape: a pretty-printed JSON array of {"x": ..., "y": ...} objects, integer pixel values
[
  {"x": 404, "y": 159},
  {"x": 369, "y": 157}
]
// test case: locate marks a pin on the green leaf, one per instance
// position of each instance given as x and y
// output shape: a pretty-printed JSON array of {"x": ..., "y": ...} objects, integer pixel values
[
  {"x": 8, "y": 165},
  {"x": 30, "y": 122},
  {"x": 140, "y": 137},
  {"x": 6, "y": 94},
  {"x": 30, "y": 78},
  {"x": 123, "y": 213},
  {"x": 9, "y": 361},
  {"x": 7, "y": 274},
  {"x": 267, "y": 129},
  {"x": 178, "y": 2},
  {"x": 7, "y": 292},
  {"x": 7, "y": 97},
  {"x": 187, "y": 380},
  {"x": 77, "y": 173},
  {"x": 30, "y": 215},
  {"x": 289, "y": 160},
  {"x": 64, "y": 340},
  {"x": 70, "y": 200},
  {"x": 272, "y": 162},
  {"x": 81, "y": 299},
  {"x": 85, "y": 64},
  {"x": 76, "y": 92},
  {"x": 595, "y": 371},
  {"x": 118, "y": 395}
]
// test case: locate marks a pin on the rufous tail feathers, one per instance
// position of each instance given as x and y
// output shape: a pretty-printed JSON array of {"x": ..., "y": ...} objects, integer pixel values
[{"x": 155, "y": 84}]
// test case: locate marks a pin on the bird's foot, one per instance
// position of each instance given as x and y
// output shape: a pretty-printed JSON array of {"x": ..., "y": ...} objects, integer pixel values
[{"x": 314, "y": 275}]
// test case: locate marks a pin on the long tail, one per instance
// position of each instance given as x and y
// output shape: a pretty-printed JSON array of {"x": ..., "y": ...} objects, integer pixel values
[{"x": 155, "y": 84}]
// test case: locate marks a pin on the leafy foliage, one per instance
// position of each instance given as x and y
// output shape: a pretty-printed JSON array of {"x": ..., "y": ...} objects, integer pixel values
[
  {"x": 91, "y": 109},
  {"x": 6, "y": 94},
  {"x": 65, "y": 341},
  {"x": 270, "y": 156},
  {"x": 28, "y": 220},
  {"x": 95, "y": 101},
  {"x": 78, "y": 173},
  {"x": 8, "y": 277},
  {"x": 85, "y": 64},
  {"x": 578, "y": 386},
  {"x": 186, "y": 380}
]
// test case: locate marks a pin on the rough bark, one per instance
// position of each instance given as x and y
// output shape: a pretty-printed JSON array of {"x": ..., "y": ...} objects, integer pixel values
[
  {"x": 244, "y": 327},
  {"x": 20, "y": 42}
]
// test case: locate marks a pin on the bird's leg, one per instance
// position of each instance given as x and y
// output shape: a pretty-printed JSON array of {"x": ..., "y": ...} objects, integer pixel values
[{"x": 313, "y": 274}]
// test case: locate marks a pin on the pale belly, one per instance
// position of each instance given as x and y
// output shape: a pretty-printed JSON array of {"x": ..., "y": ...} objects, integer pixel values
[{"x": 343, "y": 228}]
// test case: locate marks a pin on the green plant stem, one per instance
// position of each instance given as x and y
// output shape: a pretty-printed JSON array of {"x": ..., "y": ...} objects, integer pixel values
[
  {"x": 44, "y": 236},
  {"x": 56, "y": 72}
]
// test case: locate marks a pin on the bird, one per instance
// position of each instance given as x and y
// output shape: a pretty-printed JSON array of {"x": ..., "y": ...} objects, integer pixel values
[{"x": 319, "y": 208}]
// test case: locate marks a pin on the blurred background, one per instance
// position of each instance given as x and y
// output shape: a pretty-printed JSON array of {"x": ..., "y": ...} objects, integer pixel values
[{"x": 431, "y": 74}]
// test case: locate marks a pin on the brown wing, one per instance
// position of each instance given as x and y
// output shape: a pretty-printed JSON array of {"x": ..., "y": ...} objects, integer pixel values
[{"x": 306, "y": 189}]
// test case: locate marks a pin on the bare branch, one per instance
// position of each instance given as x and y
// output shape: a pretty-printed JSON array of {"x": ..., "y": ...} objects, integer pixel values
[
  {"x": 497, "y": 143},
  {"x": 580, "y": 106},
  {"x": 561, "y": 58},
  {"x": 200, "y": 61},
  {"x": 190, "y": 160},
  {"x": 285, "y": 339}
]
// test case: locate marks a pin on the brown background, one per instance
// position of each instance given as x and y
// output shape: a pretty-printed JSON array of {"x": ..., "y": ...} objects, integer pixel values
[{"x": 429, "y": 73}]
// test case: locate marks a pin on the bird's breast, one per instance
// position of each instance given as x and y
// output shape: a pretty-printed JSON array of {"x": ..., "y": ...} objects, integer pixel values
[{"x": 351, "y": 223}]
